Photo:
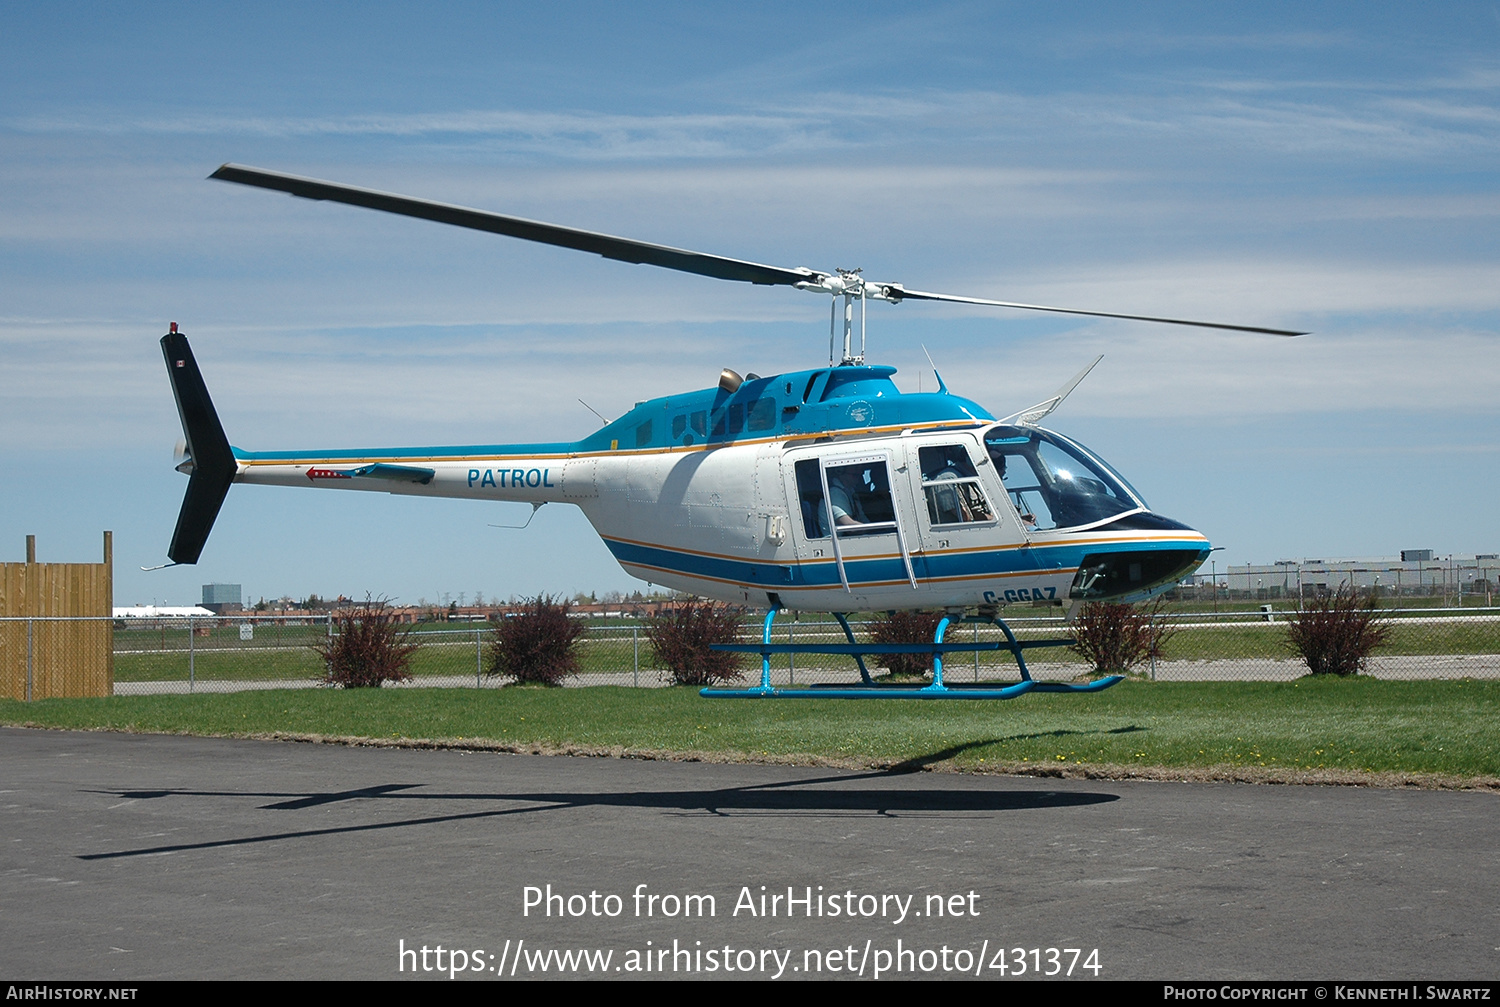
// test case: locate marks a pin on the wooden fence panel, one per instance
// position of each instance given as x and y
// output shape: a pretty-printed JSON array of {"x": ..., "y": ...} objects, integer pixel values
[{"x": 67, "y": 658}]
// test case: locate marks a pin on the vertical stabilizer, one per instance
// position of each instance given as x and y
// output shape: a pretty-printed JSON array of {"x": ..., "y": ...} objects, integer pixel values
[{"x": 210, "y": 462}]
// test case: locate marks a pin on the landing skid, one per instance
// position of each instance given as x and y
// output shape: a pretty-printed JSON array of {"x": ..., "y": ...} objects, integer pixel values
[{"x": 868, "y": 688}]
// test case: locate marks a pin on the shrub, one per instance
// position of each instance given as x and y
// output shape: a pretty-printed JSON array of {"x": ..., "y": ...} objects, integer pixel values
[
  {"x": 534, "y": 645},
  {"x": 1336, "y": 633},
  {"x": 905, "y": 627},
  {"x": 367, "y": 648},
  {"x": 1116, "y": 637},
  {"x": 682, "y": 634}
]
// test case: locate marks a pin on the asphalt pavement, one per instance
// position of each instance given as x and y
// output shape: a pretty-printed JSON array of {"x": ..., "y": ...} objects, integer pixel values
[{"x": 132, "y": 857}]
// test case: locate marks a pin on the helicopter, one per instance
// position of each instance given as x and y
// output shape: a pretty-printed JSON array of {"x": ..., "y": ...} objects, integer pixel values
[{"x": 821, "y": 489}]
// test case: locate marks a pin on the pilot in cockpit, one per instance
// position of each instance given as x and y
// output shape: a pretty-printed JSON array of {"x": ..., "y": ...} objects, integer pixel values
[{"x": 998, "y": 457}]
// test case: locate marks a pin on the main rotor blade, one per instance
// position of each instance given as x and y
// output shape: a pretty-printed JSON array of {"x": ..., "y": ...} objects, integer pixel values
[
  {"x": 629, "y": 250},
  {"x": 900, "y": 294},
  {"x": 607, "y": 245}
]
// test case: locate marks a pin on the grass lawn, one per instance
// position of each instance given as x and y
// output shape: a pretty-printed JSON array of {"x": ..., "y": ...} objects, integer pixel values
[{"x": 1450, "y": 728}]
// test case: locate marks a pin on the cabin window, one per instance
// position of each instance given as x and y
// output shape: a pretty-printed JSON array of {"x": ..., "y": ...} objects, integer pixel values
[
  {"x": 949, "y": 459},
  {"x": 686, "y": 425},
  {"x": 1053, "y": 482},
  {"x": 861, "y": 493},
  {"x": 1025, "y": 489},
  {"x": 860, "y": 498},
  {"x": 643, "y": 434},
  {"x": 736, "y": 418},
  {"x": 810, "y": 499},
  {"x": 952, "y": 486},
  {"x": 762, "y": 415}
]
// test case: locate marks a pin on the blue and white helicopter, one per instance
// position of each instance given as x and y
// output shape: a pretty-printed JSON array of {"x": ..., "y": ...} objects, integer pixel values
[{"x": 826, "y": 489}]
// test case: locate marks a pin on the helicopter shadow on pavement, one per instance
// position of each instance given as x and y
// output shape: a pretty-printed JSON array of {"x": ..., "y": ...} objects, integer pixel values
[
  {"x": 831, "y": 795},
  {"x": 918, "y": 763}
]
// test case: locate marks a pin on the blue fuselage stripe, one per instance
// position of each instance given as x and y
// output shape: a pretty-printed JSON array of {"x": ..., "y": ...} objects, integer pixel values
[{"x": 1042, "y": 559}]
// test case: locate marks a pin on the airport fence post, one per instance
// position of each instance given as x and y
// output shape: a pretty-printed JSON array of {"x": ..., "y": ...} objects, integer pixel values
[
  {"x": 635, "y": 639},
  {"x": 28, "y": 659},
  {"x": 791, "y": 659},
  {"x": 976, "y": 652},
  {"x": 478, "y": 662},
  {"x": 192, "y": 670}
]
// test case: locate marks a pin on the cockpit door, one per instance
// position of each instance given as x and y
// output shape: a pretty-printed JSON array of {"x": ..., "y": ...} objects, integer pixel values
[
  {"x": 970, "y": 539},
  {"x": 848, "y": 505}
]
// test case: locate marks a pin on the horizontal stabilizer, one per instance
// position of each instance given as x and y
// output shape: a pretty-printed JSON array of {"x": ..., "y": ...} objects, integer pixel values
[
  {"x": 210, "y": 461},
  {"x": 395, "y": 473}
]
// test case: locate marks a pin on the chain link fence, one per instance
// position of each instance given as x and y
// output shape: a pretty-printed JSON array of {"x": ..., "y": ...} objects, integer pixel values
[
  {"x": 1204, "y": 646},
  {"x": 218, "y": 654},
  {"x": 233, "y": 654}
]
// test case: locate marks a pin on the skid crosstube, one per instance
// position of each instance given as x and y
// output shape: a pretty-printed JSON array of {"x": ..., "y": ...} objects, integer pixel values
[{"x": 870, "y": 689}]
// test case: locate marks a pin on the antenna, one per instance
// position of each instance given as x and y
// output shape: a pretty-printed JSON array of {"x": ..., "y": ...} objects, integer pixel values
[
  {"x": 594, "y": 411},
  {"x": 942, "y": 386},
  {"x": 536, "y": 505}
]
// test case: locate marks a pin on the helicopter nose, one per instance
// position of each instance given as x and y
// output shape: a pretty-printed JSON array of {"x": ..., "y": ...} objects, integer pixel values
[{"x": 1124, "y": 571}]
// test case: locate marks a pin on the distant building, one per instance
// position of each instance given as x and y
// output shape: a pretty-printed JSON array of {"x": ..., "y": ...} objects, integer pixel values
[
  {"x": 220, "y": 598},
  {"x": 159, "y": 611},
  {"x": 1294, "y": 578}
]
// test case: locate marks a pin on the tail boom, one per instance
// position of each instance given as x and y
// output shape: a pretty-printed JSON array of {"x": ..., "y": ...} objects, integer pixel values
[{"x": 532, "y": 477}]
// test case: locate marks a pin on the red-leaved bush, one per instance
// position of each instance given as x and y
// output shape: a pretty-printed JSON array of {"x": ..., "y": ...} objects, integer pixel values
[
  {"x": 905, "y": 627},
  {"x": 367, "y": 648},
  {"x": 1116, "y": 637},
  {"x": 1336, "y": 633},
  {"x": 682, "y": 634},
  {"x": 534, "y": 645}
]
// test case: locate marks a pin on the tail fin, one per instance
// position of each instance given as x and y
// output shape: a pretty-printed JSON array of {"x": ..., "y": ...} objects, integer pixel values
[{"x": 210, "y": 463}]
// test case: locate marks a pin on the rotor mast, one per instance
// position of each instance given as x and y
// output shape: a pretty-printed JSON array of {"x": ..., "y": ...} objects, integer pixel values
[{"x": 848, "y": 284}]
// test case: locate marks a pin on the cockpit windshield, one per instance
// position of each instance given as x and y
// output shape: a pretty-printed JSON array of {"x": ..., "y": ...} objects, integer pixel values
[{"x": 1054, "y": 482}]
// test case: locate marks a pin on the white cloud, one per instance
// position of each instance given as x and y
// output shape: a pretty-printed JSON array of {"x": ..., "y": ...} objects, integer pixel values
[
  {"x": 1172, "y": 374},
  {"x": 1388, "y": 119},
  {"x": 587, "y": 136},
  {"x": 1291, "y": 291}
]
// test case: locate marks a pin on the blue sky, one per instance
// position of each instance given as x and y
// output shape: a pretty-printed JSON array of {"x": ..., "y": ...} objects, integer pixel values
[{"x": 1328, "y": 167}]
